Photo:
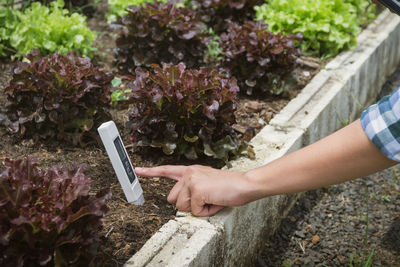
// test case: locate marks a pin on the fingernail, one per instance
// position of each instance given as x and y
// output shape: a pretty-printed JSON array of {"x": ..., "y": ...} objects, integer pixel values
[{"x": 139, "y": 169}]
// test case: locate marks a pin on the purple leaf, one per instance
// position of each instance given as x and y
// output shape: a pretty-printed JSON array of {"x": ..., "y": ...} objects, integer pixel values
[
  {"x": 47, "y": 94},
  {"x": 191, "y": 101},
  {"x": 57, "y": 210}
]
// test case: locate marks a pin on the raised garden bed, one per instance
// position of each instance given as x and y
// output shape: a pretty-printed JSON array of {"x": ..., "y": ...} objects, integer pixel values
[
  {"x": 126, "y": 227},
  {"x": 334, "y": 97}
]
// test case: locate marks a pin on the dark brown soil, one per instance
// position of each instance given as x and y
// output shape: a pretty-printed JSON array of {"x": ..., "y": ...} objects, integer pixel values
[{"x": 127, "y": 227}]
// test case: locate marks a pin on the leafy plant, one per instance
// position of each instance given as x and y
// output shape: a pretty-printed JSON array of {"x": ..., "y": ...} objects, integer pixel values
[
  {"x": 118, "y": 8},
  {"x": 260, "y": 58},
  {"x": 157, "y": 33},
  {"x": 328, "y": 26},
  {"x": 183, "y": 111},
  {"x": 366, "y": 10},
  {"x": 214, "y": 52},
  {"x": 120, "y": 94},
  {"x": 48, "y": 218},
  {"x": 7, "y": 24},
  {"x": 57, "y": 96},
  {"x": 50, "y": 30},
  {"x": 216, "y": 12}
]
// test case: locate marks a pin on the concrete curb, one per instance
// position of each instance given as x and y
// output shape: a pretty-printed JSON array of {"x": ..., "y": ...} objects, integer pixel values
[{"x": 336, "y": 95}]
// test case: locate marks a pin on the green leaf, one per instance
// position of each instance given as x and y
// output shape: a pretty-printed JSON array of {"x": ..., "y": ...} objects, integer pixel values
[
  {"x": 84, "y": 124},
  {"x": 191, "y": 139},
  {"x": 116, "y": 82},
  {"x": 50, "y": 30},
  {"x": 117, "y": 8},
  {"x": 208, "y": 151},
  {"x": 167, "y": 147},
  {"x": 328, "y": 26},
  {"x": 159, "y": 104}
]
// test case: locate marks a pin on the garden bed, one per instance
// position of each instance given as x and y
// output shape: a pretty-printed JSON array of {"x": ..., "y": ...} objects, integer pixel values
[
  {"x": 127, "y": 227},
  {"x": 333, "y": 98}
]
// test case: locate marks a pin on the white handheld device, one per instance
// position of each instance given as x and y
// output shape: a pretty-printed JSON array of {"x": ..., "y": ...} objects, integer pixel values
[{"x": 121, "y": 163}]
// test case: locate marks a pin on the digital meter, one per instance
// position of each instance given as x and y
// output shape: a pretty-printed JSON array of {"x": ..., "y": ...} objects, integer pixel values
[
  {"x": 121, "y": 163},
  {"x": 393, "y": 5}
]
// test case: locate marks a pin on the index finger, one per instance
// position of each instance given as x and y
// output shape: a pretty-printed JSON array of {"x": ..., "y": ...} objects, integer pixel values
[{"x": 174, "y": 172}]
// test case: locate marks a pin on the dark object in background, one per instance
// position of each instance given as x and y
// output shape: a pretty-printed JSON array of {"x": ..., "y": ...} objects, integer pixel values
[{"x": 393, "y": 5}]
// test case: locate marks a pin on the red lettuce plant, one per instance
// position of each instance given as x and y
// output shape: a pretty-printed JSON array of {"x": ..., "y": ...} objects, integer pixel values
[
  {"x": 157, "y": 33},
  {"x": 48, "y": 218},
  {"x": 58, "y": 96},
  {"x": 216, "y": 12},
  {"x": 258, "y": 57},
  {"x": 188, "y": 112}
]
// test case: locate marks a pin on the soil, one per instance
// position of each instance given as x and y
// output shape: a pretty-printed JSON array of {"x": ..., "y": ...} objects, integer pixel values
[
  {"x": 343, "y": 225},
  {"x": 127, "y": 227}
]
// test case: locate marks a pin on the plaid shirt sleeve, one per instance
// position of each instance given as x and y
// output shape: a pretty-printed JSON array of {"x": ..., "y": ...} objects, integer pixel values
[{"x": 381, "y": 123}]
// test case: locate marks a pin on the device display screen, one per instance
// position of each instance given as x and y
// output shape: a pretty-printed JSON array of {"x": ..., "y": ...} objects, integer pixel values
[{"x": 124, "y": 159}]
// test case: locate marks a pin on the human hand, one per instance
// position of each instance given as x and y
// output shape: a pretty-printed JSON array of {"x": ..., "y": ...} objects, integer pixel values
[{"x": 203, "y": 190}]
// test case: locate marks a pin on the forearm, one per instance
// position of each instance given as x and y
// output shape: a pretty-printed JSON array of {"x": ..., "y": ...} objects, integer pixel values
[{"x": 344, "y": 155}]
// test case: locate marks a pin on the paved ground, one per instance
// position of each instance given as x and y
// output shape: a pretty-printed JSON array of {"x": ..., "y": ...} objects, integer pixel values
[{"x": 352, "y": 224}]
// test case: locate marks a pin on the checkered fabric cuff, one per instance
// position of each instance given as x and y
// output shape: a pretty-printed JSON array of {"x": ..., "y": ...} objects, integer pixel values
[{"x": 381, "y": 123}]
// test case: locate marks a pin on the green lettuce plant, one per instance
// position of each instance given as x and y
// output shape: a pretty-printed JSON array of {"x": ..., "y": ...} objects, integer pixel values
[
  {"x": 328, "y": 26},
  {"x": 50, "y": 30},
  {"x": 366, "y": 10},
  {"x": 48, "y": 217},
  {"x": 8, "y": 20}
]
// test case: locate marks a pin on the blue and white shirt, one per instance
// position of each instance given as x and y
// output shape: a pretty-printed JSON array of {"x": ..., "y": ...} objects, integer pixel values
[{"x": 381, "y": 123}]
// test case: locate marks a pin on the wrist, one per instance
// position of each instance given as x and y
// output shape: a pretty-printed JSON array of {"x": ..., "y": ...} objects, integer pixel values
[{"x": 255, "y": 186}]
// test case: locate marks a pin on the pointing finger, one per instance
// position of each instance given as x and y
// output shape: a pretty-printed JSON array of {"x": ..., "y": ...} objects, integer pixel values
[{"x": 169, "y": 171}]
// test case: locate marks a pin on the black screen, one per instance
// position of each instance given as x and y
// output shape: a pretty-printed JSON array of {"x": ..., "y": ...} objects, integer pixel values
[{"x": 124, "y": 159}]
